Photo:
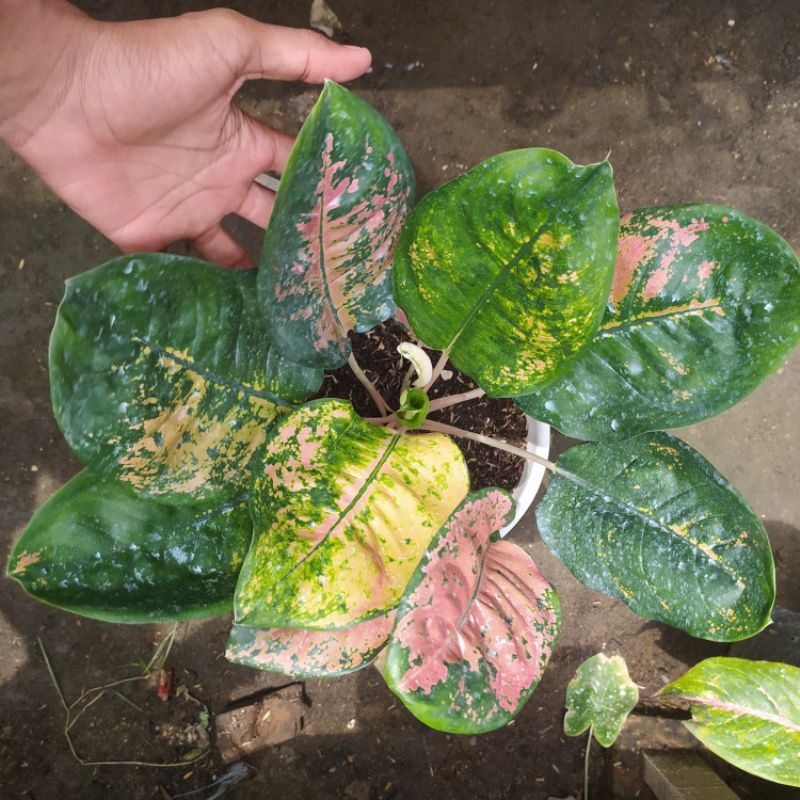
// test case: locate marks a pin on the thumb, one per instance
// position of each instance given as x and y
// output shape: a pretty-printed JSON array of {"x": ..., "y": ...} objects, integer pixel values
[{"x": 293, "y": 54}]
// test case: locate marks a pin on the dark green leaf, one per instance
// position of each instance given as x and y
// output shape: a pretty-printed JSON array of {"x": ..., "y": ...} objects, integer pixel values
[
  {"x": 162, "y": 375},
  {"x": 98, "y": 549},
  {"x": 651, "y": 522},
  {"x": 508, "y": 267},
  {"x": 325, "y": 266},
  {"x": 705, "y": 304}
]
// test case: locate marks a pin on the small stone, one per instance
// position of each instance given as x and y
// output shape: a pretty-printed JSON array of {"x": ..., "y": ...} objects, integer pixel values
[
  {"x": 357, "y": 790},
  {"x": 273, "y": 719}
]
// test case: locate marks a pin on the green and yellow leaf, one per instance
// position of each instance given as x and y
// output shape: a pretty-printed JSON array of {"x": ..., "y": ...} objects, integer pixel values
[
  {"x": 98, "y": 549},
  {"x": 325, "y": 265},
  {"x": 163, "y": 376},
  {"x": 508, "y": 266},
  {"x": 747, "y": 712},
  {"x": 705, "y": 304},
  {"x": 342, "y": 511},
  {"x": 650, "y": 522}
]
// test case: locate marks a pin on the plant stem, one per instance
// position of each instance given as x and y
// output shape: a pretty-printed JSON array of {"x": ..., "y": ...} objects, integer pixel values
[
  {"x": 454, "y": 399},
  {"x": 437, "y": 370},
  {"x": 368, "y": 385},
  {"x": 499, "y": 444},
  {"x": 586, "y": 765},
  {"x": 407, "y": 378}
]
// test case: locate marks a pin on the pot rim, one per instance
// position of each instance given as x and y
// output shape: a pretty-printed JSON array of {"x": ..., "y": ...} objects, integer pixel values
[{"x": 524, "y": 493}]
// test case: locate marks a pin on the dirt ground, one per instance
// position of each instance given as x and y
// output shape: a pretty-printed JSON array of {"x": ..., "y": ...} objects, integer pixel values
[{"x": 694, "y": 102}]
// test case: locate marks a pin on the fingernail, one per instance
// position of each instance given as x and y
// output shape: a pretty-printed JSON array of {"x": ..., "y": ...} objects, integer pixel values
[{"x": 353, "y": 47}]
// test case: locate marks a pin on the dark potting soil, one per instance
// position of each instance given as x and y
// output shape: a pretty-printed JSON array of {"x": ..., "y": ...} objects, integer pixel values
[{"x": 376, "y": 354}]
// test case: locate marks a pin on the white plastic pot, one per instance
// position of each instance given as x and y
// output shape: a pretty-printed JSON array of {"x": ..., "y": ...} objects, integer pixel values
[{"x": 532, "y": 474}]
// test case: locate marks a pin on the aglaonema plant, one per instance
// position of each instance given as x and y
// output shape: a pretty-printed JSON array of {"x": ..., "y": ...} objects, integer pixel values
[{"x": 212, "y": 483}]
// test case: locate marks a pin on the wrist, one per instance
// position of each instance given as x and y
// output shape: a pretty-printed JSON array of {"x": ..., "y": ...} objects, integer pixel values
[{"x": 41, "y": 42}]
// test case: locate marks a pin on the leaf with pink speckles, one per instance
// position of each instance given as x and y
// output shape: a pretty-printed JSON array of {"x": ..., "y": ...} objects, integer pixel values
[
  {"x": 310, "y": 654},
  {"x": 705, "y": 304},
  {"x": 342, "y": 511},
  {"x": 325, "y": 265},
  {"x": 476, "y": 626}
]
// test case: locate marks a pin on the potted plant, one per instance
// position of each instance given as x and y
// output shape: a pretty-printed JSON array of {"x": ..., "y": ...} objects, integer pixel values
[{"x": 212, "y": 483}]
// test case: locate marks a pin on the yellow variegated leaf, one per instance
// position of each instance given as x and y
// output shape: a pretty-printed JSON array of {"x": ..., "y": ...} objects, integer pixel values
[
  {"x": 164, "y": 378},
  {"x": 342, "y": 512}
]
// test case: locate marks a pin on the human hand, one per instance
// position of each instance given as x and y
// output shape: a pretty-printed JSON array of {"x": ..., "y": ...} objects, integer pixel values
[{"x": 136, "y": 130}]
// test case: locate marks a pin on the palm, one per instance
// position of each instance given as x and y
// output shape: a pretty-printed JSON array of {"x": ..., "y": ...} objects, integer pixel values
[{"x": 158, "y": 151}]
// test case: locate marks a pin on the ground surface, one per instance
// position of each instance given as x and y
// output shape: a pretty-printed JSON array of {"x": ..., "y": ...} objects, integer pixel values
[{"x": 695, "y": 102}]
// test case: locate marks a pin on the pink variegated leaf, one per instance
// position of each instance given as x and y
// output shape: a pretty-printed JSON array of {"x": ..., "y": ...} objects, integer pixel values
[
  {"x": 325, "y": 266},
  {"x": 476, "y": 626},
  {"x": 705, "y": 304},
  {"x": 310, "y": 654}
]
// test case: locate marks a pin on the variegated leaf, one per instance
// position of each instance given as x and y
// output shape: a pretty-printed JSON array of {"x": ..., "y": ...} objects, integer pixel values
[
  {"x": 98, "y": 549},
  {"x": 508, "y": 266},
  {"x": 163, "y": 376},
  {"x": 600, "y": 696},
  {"x": 310, "y": 654},
  {"x": 651, "y": 522},
  {"x": 747, "y": 712},
  {"x": 344, "y": 195},
  {"x": 342, "y": 511},
  {"x": 476, "y": 625},
  {"x": 705, "y": 304}
]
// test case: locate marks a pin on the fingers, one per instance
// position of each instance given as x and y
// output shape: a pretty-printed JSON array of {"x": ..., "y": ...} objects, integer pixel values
[
  {"x": 270, "y": 149},
  {"x": 294, "y": 54},
  {"x": 219, "y": 247},
  {"x": 257, "y": 205}
]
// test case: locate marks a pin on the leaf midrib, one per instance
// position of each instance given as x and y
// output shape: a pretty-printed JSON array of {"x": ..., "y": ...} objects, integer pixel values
[
  {"x": 369, "y": 480},
  {"x": 323, "y": 260},
  {"x": 607, "y": 499},
  {"x": 192, "y": 366},
  {"x": 740, "y": 710},
  {"x": 523, "y": 251}
]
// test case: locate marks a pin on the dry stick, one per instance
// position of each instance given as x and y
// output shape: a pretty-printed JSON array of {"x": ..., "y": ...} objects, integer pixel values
[
  {"x": 161, "y": 652},
  {"x": 454, "y": 399},
  {"x": 368, "y": 385},
  {"x": 499, "y": 444}
]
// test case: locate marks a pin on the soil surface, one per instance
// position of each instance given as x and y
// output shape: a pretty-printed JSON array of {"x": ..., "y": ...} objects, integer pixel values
[
  {"x": 694, "y": 102},
  {"x": 376, "y": 353}
]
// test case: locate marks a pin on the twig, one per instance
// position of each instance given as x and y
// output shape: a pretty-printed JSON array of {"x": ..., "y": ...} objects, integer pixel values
[
  {"x": 368, "y": 385},
  {"x": 160, "y": 655},
  {"x": 499, "y": 444},
  {"x": 454, "y": 399},
  {"x": 52, "y": 675}
]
